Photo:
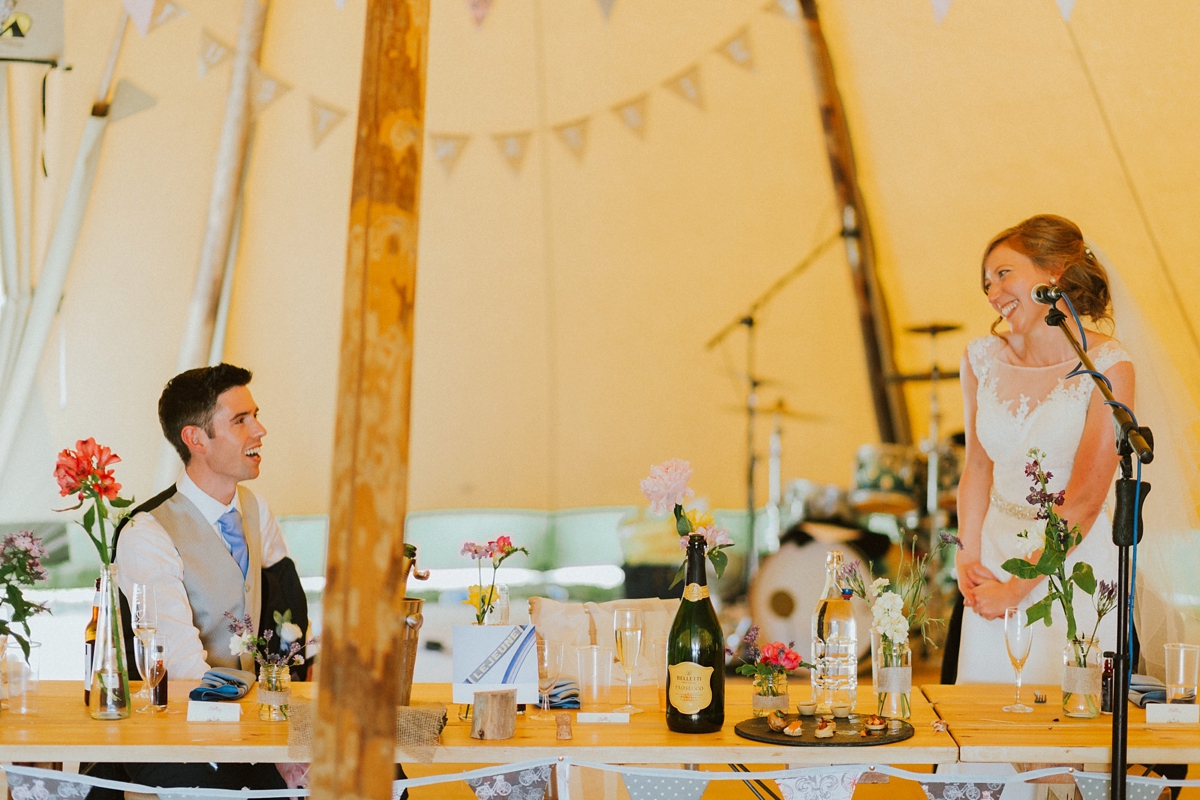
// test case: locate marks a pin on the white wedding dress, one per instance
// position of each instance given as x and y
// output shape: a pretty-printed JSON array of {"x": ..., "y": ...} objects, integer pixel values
[{"x": 1019, "y": 408}]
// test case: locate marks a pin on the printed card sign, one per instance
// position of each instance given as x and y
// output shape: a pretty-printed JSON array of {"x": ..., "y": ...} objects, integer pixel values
[{"x": 486, "y": 656}]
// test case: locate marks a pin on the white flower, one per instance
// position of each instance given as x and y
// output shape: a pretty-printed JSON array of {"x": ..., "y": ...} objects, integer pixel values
[
  {"x": 888, "y": 616},
  {"x": 713, "y": 536},
  {"x": 666, "y": 487},
  {"x": 240, "y": 644},
  {"x": 290, "y": 632},
  {"x": 878, "y": 586}
]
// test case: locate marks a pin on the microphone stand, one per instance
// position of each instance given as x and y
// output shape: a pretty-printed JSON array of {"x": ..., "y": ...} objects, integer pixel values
[{"x": 1131, "y": 440}]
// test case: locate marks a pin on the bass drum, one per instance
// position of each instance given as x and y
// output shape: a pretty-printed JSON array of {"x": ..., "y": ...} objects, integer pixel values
[{"x": 785, "y": 590}]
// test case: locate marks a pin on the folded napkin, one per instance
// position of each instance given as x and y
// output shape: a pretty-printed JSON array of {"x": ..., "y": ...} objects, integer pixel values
[
  {"x": 1146, "y": 689},
  {"x": 565, "y": 694},
  {"x": 223, "y": 683}
]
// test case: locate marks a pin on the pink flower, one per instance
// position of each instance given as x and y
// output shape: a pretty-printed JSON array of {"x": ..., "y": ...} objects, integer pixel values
[
  {"x": 770, "y": 653},
  {"x": 714, "y": 536},
  {"x": 87, "y": 467},
  {"x": 789, "y": 659},
  {"x": 475, "y": 551},
  {"x": 666, "y": 486}
]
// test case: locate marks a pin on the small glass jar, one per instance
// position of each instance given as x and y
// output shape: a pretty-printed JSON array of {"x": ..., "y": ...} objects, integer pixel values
[
  {"x": 891, "y": 674},
  {"x": 274, "y": 692},
  {"x": 498, "y": 613},
  {"x": 1082, "y": 680},
  {"x": 770, "y": 693}
]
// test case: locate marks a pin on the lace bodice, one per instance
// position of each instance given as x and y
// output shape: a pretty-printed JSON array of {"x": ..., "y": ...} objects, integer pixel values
[{"x": 1024, "y": 407}]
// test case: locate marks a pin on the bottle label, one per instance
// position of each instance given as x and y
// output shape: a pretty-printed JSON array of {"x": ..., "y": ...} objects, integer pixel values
[
  {"x": 695, "y": 592},
  {"x": 691, "y": 688}
]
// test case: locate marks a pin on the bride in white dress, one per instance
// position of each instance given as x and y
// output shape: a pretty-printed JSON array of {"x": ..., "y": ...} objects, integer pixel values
[{"x": 1017, "y": 397}]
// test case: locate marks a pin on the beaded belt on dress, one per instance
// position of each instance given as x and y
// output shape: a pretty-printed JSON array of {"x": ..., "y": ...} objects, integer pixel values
[{"x": 1012, "y": 509}]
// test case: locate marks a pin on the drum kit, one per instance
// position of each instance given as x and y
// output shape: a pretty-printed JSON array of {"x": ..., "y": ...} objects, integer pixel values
[{"x": 898, "y": 491}]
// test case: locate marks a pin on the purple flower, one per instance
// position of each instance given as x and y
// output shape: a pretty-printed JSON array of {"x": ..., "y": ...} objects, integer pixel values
[
  {"x": 950, "y": 538},
  {"x": 848, "y": 571},
  {"x": 751, "y": 635}
]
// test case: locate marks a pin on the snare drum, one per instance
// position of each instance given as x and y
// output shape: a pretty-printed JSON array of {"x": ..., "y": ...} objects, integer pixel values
[
  {"x": 786, "y": 588},
  {"x": 888, "y": 479}
]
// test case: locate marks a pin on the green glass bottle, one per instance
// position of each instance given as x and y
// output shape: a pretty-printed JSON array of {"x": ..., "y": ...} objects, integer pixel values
[{"x": 695, "y": 654}]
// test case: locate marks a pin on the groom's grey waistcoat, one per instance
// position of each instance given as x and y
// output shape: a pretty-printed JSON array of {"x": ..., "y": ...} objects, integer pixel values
[{"x": 212, "y": 578}]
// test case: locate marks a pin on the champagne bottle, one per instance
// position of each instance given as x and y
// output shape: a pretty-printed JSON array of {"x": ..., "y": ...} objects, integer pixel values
[
  {"x": 89, "y": 646},
  {"x": 834, "y": 641},
  {"x": 695, "y": 654}
]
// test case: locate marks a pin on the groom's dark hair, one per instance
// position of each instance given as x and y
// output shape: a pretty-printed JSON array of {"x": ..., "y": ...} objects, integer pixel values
[{"x": 190, "y": 398}]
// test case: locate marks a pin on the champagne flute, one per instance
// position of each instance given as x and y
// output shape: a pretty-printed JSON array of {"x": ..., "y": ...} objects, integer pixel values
[
  {"x": 155, "y": 648},
  {"x": 1018, "y": 636},
  {"x": 144, "y": 614},
  {"x": 549, "y": 658},
  {"x": 627, "y": 625}
]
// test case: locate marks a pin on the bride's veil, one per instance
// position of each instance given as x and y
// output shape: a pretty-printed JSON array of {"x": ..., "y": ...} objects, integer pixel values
[{"x": 1167, "y": 599}]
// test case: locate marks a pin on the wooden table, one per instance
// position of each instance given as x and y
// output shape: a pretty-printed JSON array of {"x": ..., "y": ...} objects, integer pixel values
[
  {"x": 62, "y": 730},
  {"x": 986, "y": 733}
]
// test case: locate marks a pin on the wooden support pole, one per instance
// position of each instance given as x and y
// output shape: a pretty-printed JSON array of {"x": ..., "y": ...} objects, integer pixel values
[
  {"x": 891, "y": 410},
  {"x": 355, "y": 736}
]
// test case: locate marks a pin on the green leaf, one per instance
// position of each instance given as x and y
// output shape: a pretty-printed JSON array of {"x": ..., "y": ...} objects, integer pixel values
[
  {"x": 1050, "y": 562},
  {"x": 1084, "y": 577},
  {"x": 678, "y": 576},
  {"x": 89, "y": 519},
  {"x": 1021, "y": 568},
  {"x": 682, "y": 526},
  {"x": 121, "y": 502},
  {"x": 719, "y": 561},
  {"x": 1040, "y": 610}
]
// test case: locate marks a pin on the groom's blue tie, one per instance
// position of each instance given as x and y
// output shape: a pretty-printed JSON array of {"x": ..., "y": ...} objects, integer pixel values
[{"x": 230, "y": 524}]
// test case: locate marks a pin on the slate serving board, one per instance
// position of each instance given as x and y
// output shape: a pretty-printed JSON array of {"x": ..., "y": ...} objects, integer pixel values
[{"x": 846, "y": 734}]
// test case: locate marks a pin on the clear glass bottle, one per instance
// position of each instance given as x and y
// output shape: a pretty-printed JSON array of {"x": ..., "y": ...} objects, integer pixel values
[{"x": 834, "y": 641}]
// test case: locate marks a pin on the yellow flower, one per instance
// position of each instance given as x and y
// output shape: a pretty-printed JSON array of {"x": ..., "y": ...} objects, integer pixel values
[
  {"x": 699, "y": 519},
  {"x": 480, "y": 598}
]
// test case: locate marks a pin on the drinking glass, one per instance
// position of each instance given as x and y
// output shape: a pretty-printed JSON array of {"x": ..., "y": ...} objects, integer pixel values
[
  {"x": 549, "y": 658},
  {"x": 627, "y": 625},
  {"x": 155, "y": 648},
  {"x": 1018, "y": 636},
  {"x": 144, "y": 617}
]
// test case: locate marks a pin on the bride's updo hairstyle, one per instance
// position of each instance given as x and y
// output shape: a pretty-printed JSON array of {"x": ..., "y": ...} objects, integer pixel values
[{"x": 1056, "y": 244}]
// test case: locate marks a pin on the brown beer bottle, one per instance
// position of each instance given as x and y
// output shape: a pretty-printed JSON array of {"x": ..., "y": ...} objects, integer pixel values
[{"x": 89, "y": 646}]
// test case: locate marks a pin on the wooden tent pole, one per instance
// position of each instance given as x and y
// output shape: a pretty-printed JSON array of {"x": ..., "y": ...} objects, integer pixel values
[
  {"x": 203, "y": 308},
  {"x": 891, "y": 410},
  {"x": 12, "y": 314},
  {"x": 57, "y": 263},
  {"x": 355, "y": 735}
]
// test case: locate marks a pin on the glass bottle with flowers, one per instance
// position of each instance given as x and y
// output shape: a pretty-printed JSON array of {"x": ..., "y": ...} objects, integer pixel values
[
  {"x": 275, "y": 652},
  {"x": 666, "y": 487},
  {"x": 84, "y": 472},
  {"x": 21, "y": 557},
  {"x": 1082, "y": 672},
  {"x": 490, "y": 602},
  {"x": 770, "y": 666}
]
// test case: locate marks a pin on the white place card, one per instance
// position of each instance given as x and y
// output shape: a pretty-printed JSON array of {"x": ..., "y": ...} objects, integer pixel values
[
  {"x": 1161, "y": 712},
  {"x": 491, "y": 656},
  {"x": 204, "y": 711},
  {"x": 599, "y": 716}
]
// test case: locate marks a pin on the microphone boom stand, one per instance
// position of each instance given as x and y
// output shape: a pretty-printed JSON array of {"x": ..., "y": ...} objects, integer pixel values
[{"x": 1130, "y": 440}]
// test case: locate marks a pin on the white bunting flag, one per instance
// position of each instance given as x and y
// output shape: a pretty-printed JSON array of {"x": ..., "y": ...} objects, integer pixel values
[
  {"x": 146, "y": 15},
  {"x": 265, "y": 89},
  {"x": 940, "y": 9},
  {"x": 633, "y": 114},
  {"x": 1065, "y": 7},
  {"x": 574, "y": 136},
  {"x": 128, "y": 100},
  {"x": 513, "y": 146},
  {"x": 737, "y": 49},
  {"x": 954, "y": 790},
  {"x": 606, "y": 7},
  {"x": 165, "y": 11},
  {"x": 826, "y": 784},
  {"x": 340, "y": 4},
  {"x": 448, "y": 148},
  {"x": 212, "y": 52},
  {"x": 479, "y": 10},
  {"x": 787, "y": 8},
  {"x": 322, "y": 118},
  {"x": 646, "y": 787},
  {"x": 687, "y": 86}
]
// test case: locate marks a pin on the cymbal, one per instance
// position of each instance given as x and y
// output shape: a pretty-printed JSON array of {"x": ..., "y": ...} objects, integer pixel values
[
  {"x": 934, "y": 328},
  {"x": 948, "y": 375},
  {"x": 781, "y": 409}
]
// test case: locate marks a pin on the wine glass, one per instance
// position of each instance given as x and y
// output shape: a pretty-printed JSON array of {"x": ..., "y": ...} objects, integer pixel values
[
  {"x": 155, "y": 648},
  {"x": 627, "y": 625},
  {"x": 549, "y": 658},
  {"x": 1018, "y": 636},
  {"x": 144, "y": 617}
]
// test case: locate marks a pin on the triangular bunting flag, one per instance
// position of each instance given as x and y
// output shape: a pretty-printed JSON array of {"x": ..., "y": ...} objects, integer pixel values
[
  {"x": 644, "y": 787},
  {"x": 633, "y": 114},
  {"x": 526, "y": 784},
  {"x": 687, "y": 85},
  {"x": 128, "y": 100},
  {"x": 787, "y": 8},
  {"x": 322, "y": 119},
  {"x": 824, "y": 784},
  {"x": 940, "y": 9},
  {"x": 952, "y": 790},
  {"x": 737, "y": 49},
  {"x": 165, "y": 11},
  {"x": 1065, "y": 7},
  {"x": 448, "y": 148},
  {"x": 340, "y": 4},
  {"x": 212, "y": 52},
  {"x": 513, "y": 146},
  {"x": 1095, "y": 787},
  {"x": 574, "y": 136},
  {"x": 479, "y": 10},
  {"x": 606, "y": 7},
  {"x": 140, "y": 12},
  {"x": 265, "y": 89}
]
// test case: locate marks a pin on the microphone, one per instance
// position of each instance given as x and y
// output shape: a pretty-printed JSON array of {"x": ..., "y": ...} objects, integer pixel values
[{"x": 1045, "y": 294}]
